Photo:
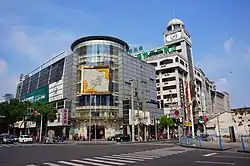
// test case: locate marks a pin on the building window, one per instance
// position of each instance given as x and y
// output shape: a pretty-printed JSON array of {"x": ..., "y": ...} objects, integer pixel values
[
  {"x": 181, "y": 61},
  {"x": 158, "y": 89},
  {"x": 169, "y": 87},
  {"x": 167, "y": 61},
  {"x": 168, "y": 79},
  {"x": 176, "y": 59},
  {"x": 169, "y": 96},
  {"x": 153, "y": 63},
  {"x": 158, "y": 97}
]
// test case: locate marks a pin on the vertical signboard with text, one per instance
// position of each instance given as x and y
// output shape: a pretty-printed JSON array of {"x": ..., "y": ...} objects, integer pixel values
[{"x": 65, "y": 117}]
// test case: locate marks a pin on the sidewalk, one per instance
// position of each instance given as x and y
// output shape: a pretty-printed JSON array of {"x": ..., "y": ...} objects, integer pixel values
[
  {"x": 106, "y": 142},
  {"x": 210, "y": 145}
]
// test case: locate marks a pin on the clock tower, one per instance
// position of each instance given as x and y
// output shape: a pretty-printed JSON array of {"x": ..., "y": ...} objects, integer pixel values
[{"x": 177, "y": 35}]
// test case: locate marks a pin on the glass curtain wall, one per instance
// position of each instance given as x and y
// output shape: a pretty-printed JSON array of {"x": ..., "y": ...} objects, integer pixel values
[{"x": 99, "y": 54}]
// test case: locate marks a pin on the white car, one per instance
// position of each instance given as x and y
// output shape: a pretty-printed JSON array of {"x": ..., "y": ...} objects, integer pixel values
[{"x": 25, "y": 139}]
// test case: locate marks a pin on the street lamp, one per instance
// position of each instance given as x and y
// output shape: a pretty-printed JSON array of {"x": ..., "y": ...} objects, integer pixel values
[{"x": 132, "y": 108}]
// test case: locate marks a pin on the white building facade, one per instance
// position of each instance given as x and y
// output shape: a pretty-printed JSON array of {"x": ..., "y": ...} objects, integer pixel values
[{"x": 180, "y": 84}]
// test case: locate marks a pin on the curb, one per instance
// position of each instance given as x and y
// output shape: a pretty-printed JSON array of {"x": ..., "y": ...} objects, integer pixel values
[
  {"x": 241, "y": 151},
  {"x": 95, "y": 143},
  {"x": 207, "y": 148}
]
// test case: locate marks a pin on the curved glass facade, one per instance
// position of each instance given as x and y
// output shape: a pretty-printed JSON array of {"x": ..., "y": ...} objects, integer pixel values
[{"x": 99, "y": 53}]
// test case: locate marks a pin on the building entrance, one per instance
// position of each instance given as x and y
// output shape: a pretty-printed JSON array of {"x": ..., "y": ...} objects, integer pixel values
[{"x": 98, "y": 130}]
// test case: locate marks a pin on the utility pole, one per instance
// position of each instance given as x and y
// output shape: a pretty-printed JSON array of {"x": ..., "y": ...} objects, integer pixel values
[
  {"x": 95, "y": 122},
  {"x": 156, "y": 130},
  {"x": 132, "y": 110},
  {"x": 90, "y": 114},
  {"x": 171, "y": 106}
]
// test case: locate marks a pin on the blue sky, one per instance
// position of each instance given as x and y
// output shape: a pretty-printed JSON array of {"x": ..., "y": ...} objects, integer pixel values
[{"x": 33, "y": 31}]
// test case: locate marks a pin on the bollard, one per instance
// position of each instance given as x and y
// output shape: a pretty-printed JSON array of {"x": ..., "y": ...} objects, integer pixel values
[
  {"x": 220, "y": 141},
  {"x": 242, "y": 144},
  {"x": 200, "y": 140}
]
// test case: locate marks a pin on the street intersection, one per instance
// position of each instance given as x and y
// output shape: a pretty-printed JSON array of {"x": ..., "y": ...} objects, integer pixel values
[{"x": 115, "y": 155}]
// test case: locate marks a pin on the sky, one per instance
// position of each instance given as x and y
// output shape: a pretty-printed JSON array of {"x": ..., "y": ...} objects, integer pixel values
[{"x": 34, "y": 31}]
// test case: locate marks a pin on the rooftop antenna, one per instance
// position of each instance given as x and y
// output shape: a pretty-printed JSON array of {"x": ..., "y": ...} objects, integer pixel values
[{"x": 174, "y": 14}]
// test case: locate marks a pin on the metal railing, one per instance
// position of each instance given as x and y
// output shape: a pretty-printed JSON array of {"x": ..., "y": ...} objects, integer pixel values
[
  {"x": 245, "y": 143},
  {"x": 201, "y": 141}
]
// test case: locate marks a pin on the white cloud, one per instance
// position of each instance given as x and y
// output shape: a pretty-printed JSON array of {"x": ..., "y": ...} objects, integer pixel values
[
  {"x": 222, "y": 85},
  {"x": 230, "y": 71},
  {"x": 228, "y": 45},
  {"x": 10, "y": 82},
  {"x": 38, "y": 46},
  {"x": 3, "y": 66}
]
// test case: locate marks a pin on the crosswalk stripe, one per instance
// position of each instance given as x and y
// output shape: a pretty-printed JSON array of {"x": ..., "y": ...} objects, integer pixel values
[
  {"x": 87, "y": 162},
  {"x": 106, "y": 162},
  {"x": 69, "y": 163},
  {"x": 51, "y": 164},
  {"x": 139, "y": 155},
  {"x": 124, "y": 161},
  {"x": 126, "y": 158},
  {"x": 136, "y": 157}
]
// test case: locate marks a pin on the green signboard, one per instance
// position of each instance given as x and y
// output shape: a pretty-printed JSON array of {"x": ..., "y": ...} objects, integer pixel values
[
  {"x": 156, "y": 52},
  {"x": 41, "y": 94}
]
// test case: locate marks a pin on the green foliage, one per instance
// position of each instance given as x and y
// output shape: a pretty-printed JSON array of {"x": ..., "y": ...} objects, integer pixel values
[
  {"x": 46, "y": 110},
  {"x": 13, "y": 111},
  {"x": 166, "y": 121}
]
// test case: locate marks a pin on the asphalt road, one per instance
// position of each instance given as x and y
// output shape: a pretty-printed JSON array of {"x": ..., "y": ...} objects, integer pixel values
[
  {"x": 35, "y": 154},
  {"x": 113, "y": 155}
]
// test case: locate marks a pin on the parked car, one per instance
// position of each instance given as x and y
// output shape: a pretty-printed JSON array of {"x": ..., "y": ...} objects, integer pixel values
[
  {"x": 7, "y": 139},
  {"x": 122, "y": 137},
  {"x": 25, "y": 139},
  {"x": 1, "y": 139},
  {"x": 16, "y": 138},
  {"x": 112, "y": 138}
]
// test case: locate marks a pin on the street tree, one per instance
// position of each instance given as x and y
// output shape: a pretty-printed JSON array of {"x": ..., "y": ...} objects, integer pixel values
[
  {"x": 46, "y": 110},
  {"x": 12, "y": 111},
  {"x": 166, "y": 122}
]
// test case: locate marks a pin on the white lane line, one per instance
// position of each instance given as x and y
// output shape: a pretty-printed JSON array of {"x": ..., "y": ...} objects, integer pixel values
[
  {"x": 88, "y": 162},
  {"x": 236, "y": 157},
  {"x": 211, "y": 162},
  {"x": 126, "y": 158},
  {"x": 210, "y": 154},
  {"x": 136, "y": 157},
  {"x": 122, "y": 161},
  {"x": 106, "y": 162},
  {"x": 69, "y": 163},
  {"x": 51, "y": 164},
  {"x": 150, "y": 156},
  {"x": 31, "y": 165}
]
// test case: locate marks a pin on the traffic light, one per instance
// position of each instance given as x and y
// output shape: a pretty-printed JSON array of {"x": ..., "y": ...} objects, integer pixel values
[
  {"x": 30, "y": 111},
  {"x": 36, "y": 113}
]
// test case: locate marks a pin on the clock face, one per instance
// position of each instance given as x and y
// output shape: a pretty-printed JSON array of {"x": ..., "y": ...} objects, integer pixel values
[{"x": 174, "y": 36}]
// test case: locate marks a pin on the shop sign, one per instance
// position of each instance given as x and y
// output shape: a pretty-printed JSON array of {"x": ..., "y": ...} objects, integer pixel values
[
  {"x": 41, "y": 94},
  {"x": 162, "y": 50}
]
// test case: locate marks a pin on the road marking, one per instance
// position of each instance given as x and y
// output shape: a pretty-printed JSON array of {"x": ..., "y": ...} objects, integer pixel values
[
  {"x": 140, "y": 155},
  {"x": 106, "y": 162},
  {"x": 211, "y": 162},
  {"x": 51, "y": 164},
  {"x": 31, "y": 165},
  {"x": 126, "y": 158},
  {"x": 236, "y": 157},
  {"x": 123, "y": 161},
  {"x": 136, "y": 157},
  {"x": 69, "y": 163},
  {"x": 210, "y": 154},
  {"x": 91, "y": 163}
]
